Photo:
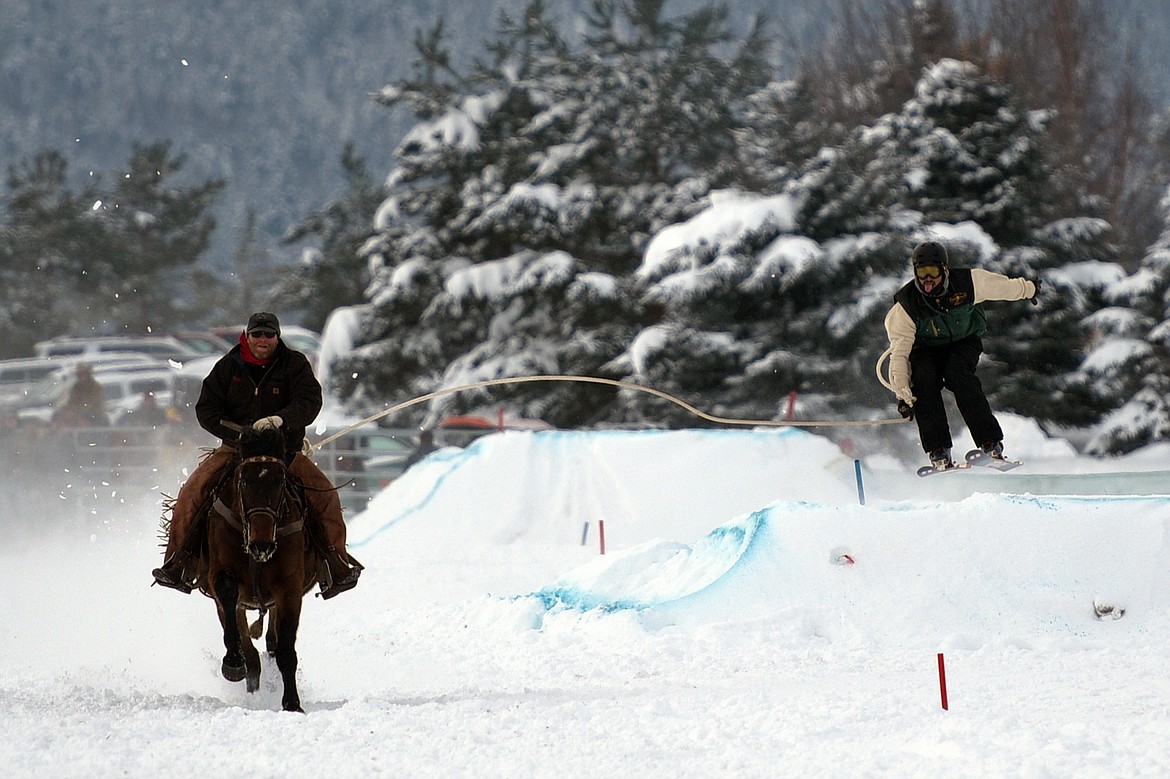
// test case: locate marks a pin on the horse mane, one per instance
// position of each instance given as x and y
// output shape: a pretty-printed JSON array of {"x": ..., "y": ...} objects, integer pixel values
[{"x": 269, "y": 441}]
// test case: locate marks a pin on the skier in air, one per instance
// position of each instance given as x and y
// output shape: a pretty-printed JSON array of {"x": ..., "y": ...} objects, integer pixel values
[{"x": 935, "y": 328}]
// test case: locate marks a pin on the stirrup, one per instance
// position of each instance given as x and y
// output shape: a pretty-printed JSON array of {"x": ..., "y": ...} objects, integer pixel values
[
  {"x": 167, "y": 579},
  {"x": 344, "y": 584}
]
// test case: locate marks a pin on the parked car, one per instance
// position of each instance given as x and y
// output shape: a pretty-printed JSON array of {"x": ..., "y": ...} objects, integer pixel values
[
  {"x": 19, "y": 375},
  {"x": 161, "y": 347},
  {"x": 189, "y": 382},
  {"x": 204, "y": 342},
  {"x": 24, "y": 381}
]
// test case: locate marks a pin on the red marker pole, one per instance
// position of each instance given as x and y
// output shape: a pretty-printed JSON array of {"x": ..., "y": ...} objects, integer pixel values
[
  {"x": 942, "y": 680},
  {"x": 601, "y": 533}
]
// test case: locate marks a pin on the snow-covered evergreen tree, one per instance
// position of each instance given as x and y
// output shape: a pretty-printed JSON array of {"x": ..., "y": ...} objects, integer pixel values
[
  {"x": 976, "y": 155},
  {"x": 527, "y": 191},
  {"x": 790, "y": 290},
  {"x": 47, "y": 232},
  {"x": 1131, "y": 353},
  {"x": 156, "y": 232},
  {"x": 589, "y": 211},
  {"x": 126, "y": 248}
]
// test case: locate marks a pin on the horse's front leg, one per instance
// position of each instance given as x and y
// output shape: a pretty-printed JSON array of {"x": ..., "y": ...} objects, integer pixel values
[
  {"x": 251, "y": 656},
  {"x": 286, "y": 619},
  {"x": 270, "y": 636},
  {"x": 227, "y": 594}
]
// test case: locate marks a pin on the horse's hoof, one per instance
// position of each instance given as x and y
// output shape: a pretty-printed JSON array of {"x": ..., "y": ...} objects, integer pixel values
[
  {"x": 294, "y": 706},
  {"x": 254, "y": 683},
  {"x": 232, "y": 672}
]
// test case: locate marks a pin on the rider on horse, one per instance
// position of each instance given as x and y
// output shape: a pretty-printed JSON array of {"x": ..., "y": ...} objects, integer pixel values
[{"x": 260, "y": 383}]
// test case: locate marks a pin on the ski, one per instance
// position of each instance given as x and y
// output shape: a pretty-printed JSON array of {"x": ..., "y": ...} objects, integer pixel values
[
  {"x": 930, "y": 470},
  {"x": 984, "y": 460}
]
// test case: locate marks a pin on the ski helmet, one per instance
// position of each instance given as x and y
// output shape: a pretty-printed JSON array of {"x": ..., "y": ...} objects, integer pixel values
[{"x": 930, "y": 261}]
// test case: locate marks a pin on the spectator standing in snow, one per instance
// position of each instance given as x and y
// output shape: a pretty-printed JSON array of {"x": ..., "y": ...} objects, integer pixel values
[
  {"x": 426, "y": 445},
  {"x": 86, "y": 404}
]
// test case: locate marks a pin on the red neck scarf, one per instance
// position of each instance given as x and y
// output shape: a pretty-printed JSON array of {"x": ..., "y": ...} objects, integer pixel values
[{"x": 246, "y": 353}]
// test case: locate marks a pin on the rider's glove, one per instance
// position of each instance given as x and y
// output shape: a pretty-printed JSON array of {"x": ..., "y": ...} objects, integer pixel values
[
  {"x": 905, "y": 409},
  {"x": 1035, "y": 283},
  {"x": 267, "y": 423}
]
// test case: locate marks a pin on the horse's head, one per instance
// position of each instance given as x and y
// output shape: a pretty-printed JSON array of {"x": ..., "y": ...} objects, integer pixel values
[{"x": 261, "y": 494}]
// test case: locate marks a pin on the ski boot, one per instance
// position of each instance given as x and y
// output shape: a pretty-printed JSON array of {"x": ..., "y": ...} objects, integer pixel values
[
  {"x": 993, "y": 449},
  {"x": 940, "y": 459}
]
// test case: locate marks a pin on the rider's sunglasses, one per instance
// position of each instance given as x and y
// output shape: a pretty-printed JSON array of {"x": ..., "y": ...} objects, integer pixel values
[
  {"x": 263, "y": 333},
  {"x": 927, "y": 271}
]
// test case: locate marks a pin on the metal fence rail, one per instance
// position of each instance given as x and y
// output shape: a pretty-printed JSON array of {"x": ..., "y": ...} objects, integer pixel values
[{"x": 87, "y": 469}]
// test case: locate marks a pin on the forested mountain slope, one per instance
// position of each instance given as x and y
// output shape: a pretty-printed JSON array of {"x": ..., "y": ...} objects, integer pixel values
[{"x": 262, "y": 95}]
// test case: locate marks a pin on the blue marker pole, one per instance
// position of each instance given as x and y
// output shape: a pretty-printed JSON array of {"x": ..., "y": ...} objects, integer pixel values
[
  {"x": 860, "y": 487},
  {"x": 584, "y": 534}
]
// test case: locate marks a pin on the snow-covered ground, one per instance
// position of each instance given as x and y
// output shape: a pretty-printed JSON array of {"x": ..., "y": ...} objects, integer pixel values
[{"x": 750, "y": 618}]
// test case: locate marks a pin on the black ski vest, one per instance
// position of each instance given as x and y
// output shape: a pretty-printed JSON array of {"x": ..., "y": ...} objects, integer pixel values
[{"x": 948, "y": 318}]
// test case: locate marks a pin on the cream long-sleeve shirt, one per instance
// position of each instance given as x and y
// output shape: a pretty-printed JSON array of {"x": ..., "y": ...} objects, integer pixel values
[{"x": 901, "y": 329}]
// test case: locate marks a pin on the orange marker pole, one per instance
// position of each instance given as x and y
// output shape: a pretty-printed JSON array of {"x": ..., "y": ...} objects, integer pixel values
[
  {"x": 601, "y": 533},
  {"x": 942, "y": 680}
]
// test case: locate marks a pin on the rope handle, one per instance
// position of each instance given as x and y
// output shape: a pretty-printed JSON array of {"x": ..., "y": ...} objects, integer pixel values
[
  {"x": 881, "y": 376},
  {"x": 621, "y": 385}
]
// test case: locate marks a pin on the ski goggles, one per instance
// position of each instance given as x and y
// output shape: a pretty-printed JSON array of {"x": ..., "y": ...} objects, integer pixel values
[{"x": 928, "y": 270}]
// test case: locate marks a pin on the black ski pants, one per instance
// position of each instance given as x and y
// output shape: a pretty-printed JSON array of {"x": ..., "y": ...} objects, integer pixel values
[{"x": 952, "y": 367}]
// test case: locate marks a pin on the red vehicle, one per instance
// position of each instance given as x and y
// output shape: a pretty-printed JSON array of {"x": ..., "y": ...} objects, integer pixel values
[{"x": 462, "y": 430}]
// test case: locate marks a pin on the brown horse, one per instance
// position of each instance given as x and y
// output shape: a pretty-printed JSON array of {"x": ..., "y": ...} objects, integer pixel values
[{"x": 259, "y": 558}]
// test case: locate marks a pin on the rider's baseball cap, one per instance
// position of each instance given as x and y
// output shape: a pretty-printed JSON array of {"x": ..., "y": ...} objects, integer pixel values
[{"x": 263, "y": 320}]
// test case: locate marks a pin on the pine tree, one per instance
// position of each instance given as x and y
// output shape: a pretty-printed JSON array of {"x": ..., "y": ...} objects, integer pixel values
[
  {"x": 781, "y": 133},
  {"x": 106, "y": 258},
  {"x": 977, "y": 156},
  {"x": 569, "y": 210},
  {"x": 521, "y": 202},
  {"x": 155, "y": 233},
  {"x": 797, "y": 295},
  {"x": 43, "y": 242},
  {"x": 1131, "y": 351}
]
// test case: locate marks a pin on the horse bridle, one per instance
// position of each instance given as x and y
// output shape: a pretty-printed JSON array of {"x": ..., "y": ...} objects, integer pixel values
[
  {"x": 245, "y": 514},
  {"x": 242, "y": 525}
]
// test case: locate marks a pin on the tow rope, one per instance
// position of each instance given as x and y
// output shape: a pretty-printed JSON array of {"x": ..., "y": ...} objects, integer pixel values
[{"x": 612, "y": 383}]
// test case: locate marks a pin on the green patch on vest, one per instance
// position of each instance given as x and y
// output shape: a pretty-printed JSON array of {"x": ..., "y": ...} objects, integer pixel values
[{"x": 966, "y": 320}]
